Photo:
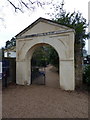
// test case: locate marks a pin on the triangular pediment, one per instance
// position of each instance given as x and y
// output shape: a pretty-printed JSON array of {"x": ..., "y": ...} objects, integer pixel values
[{"x": 41, "y": 25}]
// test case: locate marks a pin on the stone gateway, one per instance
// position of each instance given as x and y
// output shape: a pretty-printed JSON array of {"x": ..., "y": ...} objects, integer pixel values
[{"x": 42, "y": 32}]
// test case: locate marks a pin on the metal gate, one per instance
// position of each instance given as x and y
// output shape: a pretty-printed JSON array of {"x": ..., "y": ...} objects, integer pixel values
[
  {"x": 38, "y": 63},
  {"x": 38, "y": 75}
]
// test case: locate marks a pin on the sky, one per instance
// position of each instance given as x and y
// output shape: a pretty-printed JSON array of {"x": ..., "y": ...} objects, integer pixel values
[{"x": 13, "y": 22}]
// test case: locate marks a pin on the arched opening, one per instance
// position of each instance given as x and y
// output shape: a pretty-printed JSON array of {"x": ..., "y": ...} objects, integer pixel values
[{"x": 45, "y": 66}]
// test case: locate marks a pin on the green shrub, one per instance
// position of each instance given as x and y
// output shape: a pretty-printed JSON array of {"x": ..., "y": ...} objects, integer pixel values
[{"x": 86, "y": 75}]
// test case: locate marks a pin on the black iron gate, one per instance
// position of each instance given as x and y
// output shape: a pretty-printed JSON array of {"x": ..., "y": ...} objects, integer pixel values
[
  {"x": 38, "y": 75},
  {"x": 38, "y": 64}
]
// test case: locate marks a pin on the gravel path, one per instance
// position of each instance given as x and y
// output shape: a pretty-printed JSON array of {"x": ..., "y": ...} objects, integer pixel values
[
  {"x": 37, "y": 101},
  {"x": 43, "y": 101}
]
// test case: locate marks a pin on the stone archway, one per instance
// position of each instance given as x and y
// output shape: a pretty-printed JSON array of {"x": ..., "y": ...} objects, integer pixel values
[
  {"x": 45, "y": 66},
  {"x": 29, "y": 57},
  {"x": 61, "y": 38}
]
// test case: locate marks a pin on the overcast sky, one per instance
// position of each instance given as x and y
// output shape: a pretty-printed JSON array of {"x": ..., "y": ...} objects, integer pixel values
[{"x": 16, "y": 22}]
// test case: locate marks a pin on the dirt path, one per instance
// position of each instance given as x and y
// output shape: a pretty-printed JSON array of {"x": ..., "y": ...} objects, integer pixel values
[
  {"x": 44, "y": 101},
  {"x": 38, "y": 101},
  {"x": 52, "y": 77}
]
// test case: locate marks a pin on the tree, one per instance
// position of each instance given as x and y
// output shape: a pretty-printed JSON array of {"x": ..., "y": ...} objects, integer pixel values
[
  {"x": 45, "y": 55},
  {"x": 53, "y": 57},
  {"x": 10, "y": 43},
  {"x": 40, "y": 57},
  {"x": 76, "y": 21}
]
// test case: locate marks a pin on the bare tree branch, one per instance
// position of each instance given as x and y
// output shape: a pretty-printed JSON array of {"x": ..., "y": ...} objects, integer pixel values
[
  {"x": 25, "y": 4},
  {"x": 16, "y": 8},
  {"x": 31, "y": 2},
  {"x": 21, "y": 4}
]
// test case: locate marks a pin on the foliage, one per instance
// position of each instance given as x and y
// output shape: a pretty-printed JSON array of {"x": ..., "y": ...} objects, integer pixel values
[
  {"x": 39, "y": 57},
  {"x": 45, "y": 55},
  {"x": 78, "y": 23},
  {"x": 86, "y": 75},
  {"x": 53, "y": 56},
  {"x": 10, "y": 43}
]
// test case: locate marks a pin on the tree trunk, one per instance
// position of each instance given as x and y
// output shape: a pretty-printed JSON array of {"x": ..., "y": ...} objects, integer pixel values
[{"x": 78, "y": 66}]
